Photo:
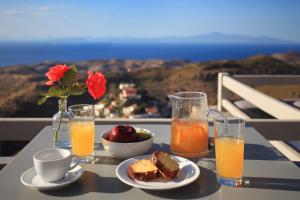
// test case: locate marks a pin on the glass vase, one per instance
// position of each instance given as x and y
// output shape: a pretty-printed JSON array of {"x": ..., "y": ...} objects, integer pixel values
[{"x": 60, "y": 126}]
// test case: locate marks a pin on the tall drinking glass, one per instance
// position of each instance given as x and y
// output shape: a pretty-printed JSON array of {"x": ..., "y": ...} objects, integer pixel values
[
  {"x": 82, "y": 131},
  {"x": 229, "y": 148}
]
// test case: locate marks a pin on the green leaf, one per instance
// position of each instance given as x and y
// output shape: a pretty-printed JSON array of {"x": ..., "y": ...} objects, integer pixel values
[
  {"x": 69, "y": 78},
  {"x": 76, "y": 90},
  {"x": 53, "y": 89},
  {"x": 42, "y": 100},
  {"x": 56, "y": 92}
]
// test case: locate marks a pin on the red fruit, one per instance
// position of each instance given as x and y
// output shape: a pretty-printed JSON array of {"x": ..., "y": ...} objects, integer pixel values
[{"x": 122, "y": 134}]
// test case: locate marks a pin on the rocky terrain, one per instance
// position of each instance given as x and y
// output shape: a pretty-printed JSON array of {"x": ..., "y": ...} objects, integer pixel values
[{"x": 20, "y": 85}]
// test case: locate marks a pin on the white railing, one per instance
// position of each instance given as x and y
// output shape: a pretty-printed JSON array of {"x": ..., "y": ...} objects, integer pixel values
[
  {"x": 24, "y": 129},
  {"x": 285, "y": 127},
  {"x": 270, "y": 105},
  {"x": 287, "y": 122}
]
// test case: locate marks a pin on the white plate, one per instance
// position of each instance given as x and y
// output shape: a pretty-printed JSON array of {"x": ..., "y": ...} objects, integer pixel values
[
  {"x": 31, "y": 179},
  {"x": 188, "y": 173}
]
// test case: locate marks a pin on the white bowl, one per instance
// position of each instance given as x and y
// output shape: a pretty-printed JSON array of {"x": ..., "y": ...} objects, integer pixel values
[{"x": 127, "y": 150}]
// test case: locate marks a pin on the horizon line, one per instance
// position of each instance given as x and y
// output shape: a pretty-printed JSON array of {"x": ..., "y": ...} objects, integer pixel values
[{"x": 149, "y": 38}]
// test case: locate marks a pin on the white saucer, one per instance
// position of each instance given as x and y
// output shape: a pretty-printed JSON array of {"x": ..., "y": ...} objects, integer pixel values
[
  {"x": 31, "y": 179},
  {"x": 188, "y": 173}
]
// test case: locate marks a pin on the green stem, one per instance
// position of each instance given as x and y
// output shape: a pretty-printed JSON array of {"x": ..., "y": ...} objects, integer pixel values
[
  {"x": 56, "y": 132},
  {"x": 59, "y": 123}
]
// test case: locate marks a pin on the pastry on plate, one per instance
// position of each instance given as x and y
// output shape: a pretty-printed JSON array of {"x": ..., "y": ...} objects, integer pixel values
[
  {"x": 167, "y": 166},
  {"x": 143, "y": 170}
]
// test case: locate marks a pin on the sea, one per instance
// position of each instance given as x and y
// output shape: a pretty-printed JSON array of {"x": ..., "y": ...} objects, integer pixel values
[{"x": 32, "y": 53}]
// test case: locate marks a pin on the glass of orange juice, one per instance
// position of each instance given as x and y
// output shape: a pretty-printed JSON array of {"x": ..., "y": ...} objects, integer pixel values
[
  {"x": 229, "y": 149},
  {"x": 82, "y": 131}
]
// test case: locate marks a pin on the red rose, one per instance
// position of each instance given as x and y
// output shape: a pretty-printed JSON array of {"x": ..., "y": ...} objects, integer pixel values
[
  {"x": 96, "y": 84},
  {"x": 55, "y": 73}
]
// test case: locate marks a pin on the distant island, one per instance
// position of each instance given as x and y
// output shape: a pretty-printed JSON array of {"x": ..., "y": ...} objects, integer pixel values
[
  {"x": 136, "y": 88},
  {"x": 208, "y": 38}
]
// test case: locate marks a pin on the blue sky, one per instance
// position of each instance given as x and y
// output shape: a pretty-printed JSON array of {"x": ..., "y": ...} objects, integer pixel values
[{"x": 20, "y": 19}]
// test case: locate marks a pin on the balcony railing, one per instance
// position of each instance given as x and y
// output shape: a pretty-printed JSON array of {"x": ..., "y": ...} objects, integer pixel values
[
  {"x": 287, "y": 118},
  {"x": 283, "y": 128},
  {"x": 25, "y": 129}
]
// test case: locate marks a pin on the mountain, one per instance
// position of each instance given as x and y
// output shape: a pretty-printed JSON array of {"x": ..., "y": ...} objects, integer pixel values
[
  {"x": 210, "y": 38},
  {"x": 222, "y": 38},
  {"x": 292, "y": 58}
]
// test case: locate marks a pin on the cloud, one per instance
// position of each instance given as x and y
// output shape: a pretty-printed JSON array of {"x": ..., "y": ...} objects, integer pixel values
[
  {"x": 13, "y": 12},
  {"x": 33, "y": 10}
]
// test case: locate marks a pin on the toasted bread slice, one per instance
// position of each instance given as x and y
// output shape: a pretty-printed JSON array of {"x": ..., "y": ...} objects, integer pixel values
[
  {"x": 167, "y": 167},
  {"x": 143, "y": 170}
]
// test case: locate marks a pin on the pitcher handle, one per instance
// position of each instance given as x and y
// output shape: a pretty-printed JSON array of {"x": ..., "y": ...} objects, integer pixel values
[
  {"x": 219, "y": 114},
  {"x": 211, "y": 111}
]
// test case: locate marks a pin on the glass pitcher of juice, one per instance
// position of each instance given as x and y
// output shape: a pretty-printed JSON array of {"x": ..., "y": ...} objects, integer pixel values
[{"x": 189, "y": 128}]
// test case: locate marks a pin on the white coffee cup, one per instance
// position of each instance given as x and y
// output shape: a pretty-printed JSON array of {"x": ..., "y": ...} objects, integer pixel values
[{"x": 53, "y": 164}]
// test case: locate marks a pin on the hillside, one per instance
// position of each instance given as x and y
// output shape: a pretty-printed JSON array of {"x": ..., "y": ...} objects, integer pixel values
[
  {"x": 201, "y": 76},
  {"x": 21, "y": 85}
]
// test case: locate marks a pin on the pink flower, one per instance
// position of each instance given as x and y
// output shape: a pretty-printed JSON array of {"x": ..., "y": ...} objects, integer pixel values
[
  {"x": 56, "y": 73},
  {"x": 96, "y": 84}
]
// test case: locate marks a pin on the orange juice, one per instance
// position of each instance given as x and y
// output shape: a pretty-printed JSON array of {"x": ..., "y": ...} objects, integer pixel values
[
  {"x": 229, "y": 157},
  {"x": 82, "y": 138},
  {"x": 189, "y": 138}
]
